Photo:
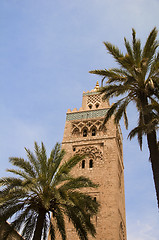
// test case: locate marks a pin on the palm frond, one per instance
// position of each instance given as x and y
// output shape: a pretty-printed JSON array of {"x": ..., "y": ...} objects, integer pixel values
[
  {"x": 33, "y": 160},
  {"x": 11, "y": 181},
  {"x": 120, "y": 72},
  {"x": 142, "y": 129},
  {"x": 43, "y": 159},
  {"x": 153, "y": 106},
  {"x": 29, "y": 225},
  {"x": 46, "y": 227},
  {"x": 129, "y": 49},
  {"x": 84, "y": 201},
  {"x": 150, "y": 45},
  {"x": 112, "y": 110},
  {"x": 121, "y": 111},
  {"x": 17, "y": 223},
  {"x": 10, "y": 210},
  {"x": 78, "y": 183},
  {"x": 68, "y": 165},
  {"x": 23, "y": 164},
  {"x": 77, "y": 220},
  {"x": 55, "y": 151},
  {"x": 116, "y": 53},
  {"x": 52, "y": 231},
  {"x": 136, "y": 48},
  {"x": 54, "y": 161},
  {"x": 37, "y": 151},
  {"x": 154, "y": 68},
  {"x": 22, "y": 174},
  {"x": 104, "y": 73},
  {"x": 125, "y": 119},
  {"x": 133, "y": 132},
  {"x": 110, "y": 91},
  {"x": 58, "y": 215}
]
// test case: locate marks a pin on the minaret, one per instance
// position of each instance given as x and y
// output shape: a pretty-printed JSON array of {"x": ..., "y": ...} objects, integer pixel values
[{"x": 84, "y": 134}]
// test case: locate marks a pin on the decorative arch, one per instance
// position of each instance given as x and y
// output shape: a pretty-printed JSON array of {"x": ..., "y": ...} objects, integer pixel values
[
  {"x": 88, "y": 123},
  {"x": 92, "y": 152},
  {"x": 85, "y": 132},
  {"x": 90, "y": 106},
  {"x": 75, "y": 131},
  {"x": 97, "y": 105},
  {"x": 93, "y": 130}
]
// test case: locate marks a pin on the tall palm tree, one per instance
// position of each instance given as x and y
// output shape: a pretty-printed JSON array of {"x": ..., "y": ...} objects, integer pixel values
[
  {"x": 136, "y": 80},
  {"x": 43, "y": 193}
]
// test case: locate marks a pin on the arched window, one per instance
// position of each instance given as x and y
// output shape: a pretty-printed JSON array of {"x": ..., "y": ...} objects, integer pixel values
[
  {"x": 93, "y": 131},
  {"x": 90, "y": 106},
  {"x": 97, "y": 105},
  {"x": 90, "y": 163},
  {"x": 83, "y": 163},
  {"x": 75, "y": 131},
  {"x": 85, "y": 132}
]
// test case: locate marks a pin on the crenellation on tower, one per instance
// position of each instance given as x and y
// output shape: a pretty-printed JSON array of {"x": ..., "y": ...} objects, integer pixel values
[{"x": 84, "y": 134}]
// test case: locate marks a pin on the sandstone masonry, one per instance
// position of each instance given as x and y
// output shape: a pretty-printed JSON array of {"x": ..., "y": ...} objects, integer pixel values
[{"x": 103, "y": 164}]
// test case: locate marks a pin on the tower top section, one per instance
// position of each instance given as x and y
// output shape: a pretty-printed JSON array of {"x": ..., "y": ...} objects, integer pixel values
[{"x": 93, "y": 106}]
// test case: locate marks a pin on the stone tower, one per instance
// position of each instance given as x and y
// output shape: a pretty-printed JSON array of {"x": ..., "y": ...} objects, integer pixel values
[{"x": 103, "y": 164}]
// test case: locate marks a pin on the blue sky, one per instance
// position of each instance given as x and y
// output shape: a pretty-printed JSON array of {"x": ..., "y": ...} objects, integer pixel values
[{"x": 47, "y": 48}]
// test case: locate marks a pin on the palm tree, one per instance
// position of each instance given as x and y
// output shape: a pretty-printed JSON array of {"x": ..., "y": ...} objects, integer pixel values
[
  {"x": 43, "y": 193},
  {"x": 136, "y": 80}
]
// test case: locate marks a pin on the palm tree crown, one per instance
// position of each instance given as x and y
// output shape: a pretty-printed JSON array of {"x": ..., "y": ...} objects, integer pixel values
[
  {"x": 136, "y": 80},
  {"x": 43, "y": 193}
]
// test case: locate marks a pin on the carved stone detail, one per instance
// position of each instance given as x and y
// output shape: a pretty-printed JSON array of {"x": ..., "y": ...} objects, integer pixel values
[
  {"x": 91, "y": 151},
  {"x": 78, "y": 126},
  {"x": 86, "y": 114},
  {"x": 93, "y": 99}
]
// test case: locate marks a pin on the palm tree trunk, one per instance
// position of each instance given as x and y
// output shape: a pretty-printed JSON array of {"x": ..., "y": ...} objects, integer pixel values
[
  {"x": 154, "y": 158},
  {"x": 153, "y": 149},
  {"x": 39, "y": 225}
]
